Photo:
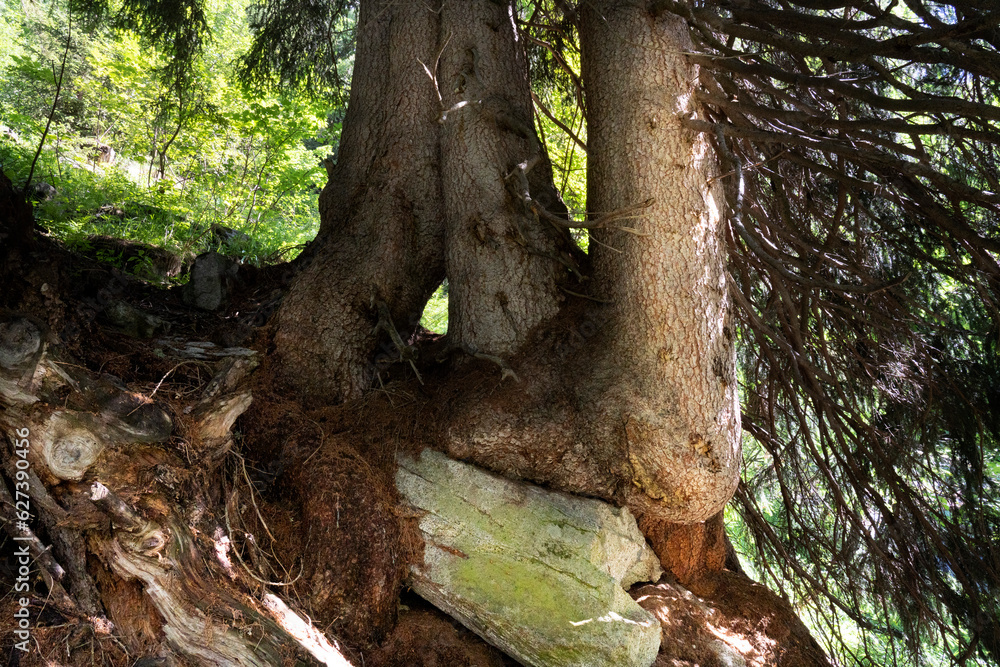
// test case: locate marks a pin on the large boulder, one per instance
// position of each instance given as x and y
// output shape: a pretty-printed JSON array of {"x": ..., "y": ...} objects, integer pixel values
[{"x": 539, "y": 574}]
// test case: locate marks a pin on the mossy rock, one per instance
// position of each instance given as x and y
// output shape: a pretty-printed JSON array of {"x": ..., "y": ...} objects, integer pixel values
[{"x": 537, "y": 573}]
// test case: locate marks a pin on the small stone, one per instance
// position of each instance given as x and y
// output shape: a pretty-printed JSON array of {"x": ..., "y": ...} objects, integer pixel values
[
  {"x": 132, "y": 321},
  {"x": 40, "y": 191},
  {"x": 211, "y": 277}
]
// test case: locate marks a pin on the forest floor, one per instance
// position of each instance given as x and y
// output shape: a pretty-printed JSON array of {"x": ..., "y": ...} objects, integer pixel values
[
  {"x": 306, "y": 492},
  {"x": 144, "y": 336}
]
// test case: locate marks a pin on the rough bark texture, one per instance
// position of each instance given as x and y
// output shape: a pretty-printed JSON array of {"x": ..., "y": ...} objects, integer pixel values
[
  {"x": 634, "y": 401},
  {"x": 688, "y": 550},
  {"x": 439, "y": 158},
  {"x": 726, "y": 620},
  {"x": 382, "y": 233},
  {"x": 672, "y": 360},
  {"x": 503, "y": 262}
]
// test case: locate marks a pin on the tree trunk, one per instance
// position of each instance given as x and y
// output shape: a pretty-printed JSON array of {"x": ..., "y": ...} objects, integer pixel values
[
  {"x": 673, "y": 354},
  {"x": 627, "y": 396},
  {"x": 440, "y": 164},
  {"x": 503, "y": 261},
  {"x": 440, "y": 169},
  {"x": 673, "y": 350},
  {"x": 644, "y": 411},
  {"x": 382, "y": 233},
  {"x": 664, "y": 382}
]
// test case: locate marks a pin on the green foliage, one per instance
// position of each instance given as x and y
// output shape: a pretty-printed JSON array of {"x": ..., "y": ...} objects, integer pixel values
[
  {"x": 554, "y": 58},
  {"x": 177, "y": 28},
  {"x": 435, "y": 315},
  {"x": 301, "y": 44},
  {"x": 171, "y": 156}
]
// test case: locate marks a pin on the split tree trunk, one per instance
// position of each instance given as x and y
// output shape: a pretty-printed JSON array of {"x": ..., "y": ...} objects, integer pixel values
[
  {"x": 642, "y": 409},
  {"x": 645, "y": 411},
  {"x": 439, "y": 166},
  {"x": 382, "y": 233},
  {"x": 441, "y": 174},
  {"x": 448, "y": 134}
]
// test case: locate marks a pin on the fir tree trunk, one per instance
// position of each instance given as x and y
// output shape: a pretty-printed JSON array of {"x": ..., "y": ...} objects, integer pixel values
[
  {"x": 673, "y": 356},
  {"x": 627, "y": 396},
  {"x": 382, "y": 233}
]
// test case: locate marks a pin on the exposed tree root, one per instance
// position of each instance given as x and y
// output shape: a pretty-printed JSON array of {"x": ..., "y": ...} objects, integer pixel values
[
  {"x": 67, "y": 425},
  {"x": 176, "y": 492}
]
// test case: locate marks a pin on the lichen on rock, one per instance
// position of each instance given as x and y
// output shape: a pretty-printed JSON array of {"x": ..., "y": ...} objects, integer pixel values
[{"x": 538, "y": 573}]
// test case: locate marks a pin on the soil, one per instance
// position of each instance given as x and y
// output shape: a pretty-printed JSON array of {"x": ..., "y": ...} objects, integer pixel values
[
  {"x": 424, "y": 637},
  {"x": 724, "y": 614},
  {"x": 308, "y": 490}
]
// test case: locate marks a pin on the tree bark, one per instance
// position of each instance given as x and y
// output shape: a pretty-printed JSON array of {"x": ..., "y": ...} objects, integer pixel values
[
  {"x": 503, "y": 261},
  {"x": 382, "y": 232},
  {"x": 672, "y": 357},
  {"x": 440, "y": 171},
  {"x": 639, "y": 405}
]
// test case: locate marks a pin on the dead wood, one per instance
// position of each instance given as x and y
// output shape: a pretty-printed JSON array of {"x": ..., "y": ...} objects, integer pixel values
[{"x": 82, "y": 445}]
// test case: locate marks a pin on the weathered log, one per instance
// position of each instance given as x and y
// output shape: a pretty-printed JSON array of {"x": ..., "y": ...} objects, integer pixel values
[
  {"x": 65, "y": 444},
  {"x": 537, "y": 573},
  {"x": 222, "y": 402},
  {"x": 305, "y": 633},
  {"x": 200, "y": 349},
  {"x": 164, "y": 560},
  {"x": 76, "y": 425},
  {"x": 62, "y": 528}
]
